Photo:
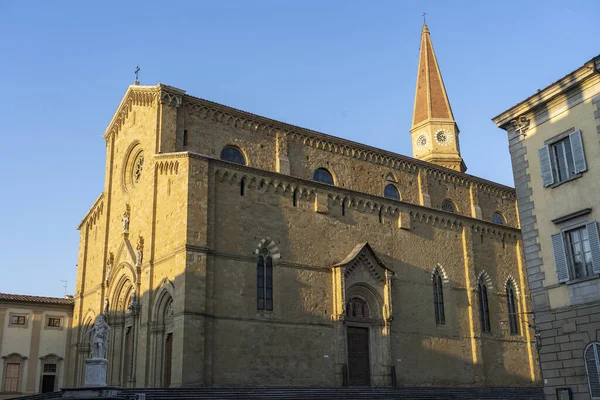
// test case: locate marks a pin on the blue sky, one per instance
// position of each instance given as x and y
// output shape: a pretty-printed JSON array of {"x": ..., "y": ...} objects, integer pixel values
[{"x": 346, "y": 68}]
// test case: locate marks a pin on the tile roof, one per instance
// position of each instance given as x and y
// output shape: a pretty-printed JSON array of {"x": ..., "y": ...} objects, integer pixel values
[{"x": 35, "y": 299}]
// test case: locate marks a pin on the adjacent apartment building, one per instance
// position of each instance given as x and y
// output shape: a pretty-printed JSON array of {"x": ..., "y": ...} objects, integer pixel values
[
  {"x": 554, "y": 145},
  {"x": 34, "y": 332}
]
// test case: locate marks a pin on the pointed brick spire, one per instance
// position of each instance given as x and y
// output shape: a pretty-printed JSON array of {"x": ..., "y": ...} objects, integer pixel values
[{"x": 431, "y": 100}]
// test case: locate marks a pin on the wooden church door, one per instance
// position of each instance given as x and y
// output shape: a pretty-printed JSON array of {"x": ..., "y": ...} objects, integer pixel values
[{"x": 358, "y": 356}]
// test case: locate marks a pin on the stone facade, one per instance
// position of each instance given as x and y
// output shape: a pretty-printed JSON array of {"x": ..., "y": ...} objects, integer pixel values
[
  {"x": 566, "y": 309},
  {"x": 34, "y": 338},
  {"x": 252, "y": 273}
]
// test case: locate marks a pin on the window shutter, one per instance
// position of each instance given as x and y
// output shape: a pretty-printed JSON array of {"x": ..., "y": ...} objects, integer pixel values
[
  {"x": 592, "y": 229},
  {"x": 560, "y": 257},
  {"x": 591, "y": 365},
  {"x": 578, "y": 155},
  {"x": 546, "y": 166}
]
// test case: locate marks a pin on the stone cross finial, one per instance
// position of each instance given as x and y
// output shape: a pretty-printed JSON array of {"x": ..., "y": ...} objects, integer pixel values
[{"x": 137, "y": 71}]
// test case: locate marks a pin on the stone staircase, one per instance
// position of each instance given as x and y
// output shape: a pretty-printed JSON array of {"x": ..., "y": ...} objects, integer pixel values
[{"x": 320, "y": 393}]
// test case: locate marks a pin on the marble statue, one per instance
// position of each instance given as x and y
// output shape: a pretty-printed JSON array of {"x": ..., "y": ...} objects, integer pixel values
[{"x": 99, "y": 337}]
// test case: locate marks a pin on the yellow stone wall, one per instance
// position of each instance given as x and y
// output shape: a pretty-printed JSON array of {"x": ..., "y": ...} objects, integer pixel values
[{"x": 201, "y": 236}]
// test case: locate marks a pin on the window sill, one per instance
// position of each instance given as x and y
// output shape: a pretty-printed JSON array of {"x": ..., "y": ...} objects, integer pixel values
[
  {"x": 587, "y": 278},
  {"x": 572, "y": 178}
]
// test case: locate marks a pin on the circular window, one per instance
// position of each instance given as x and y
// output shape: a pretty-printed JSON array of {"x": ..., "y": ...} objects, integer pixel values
[
  {"x": 138, "y": 165},
  {"x": 448, "y": 206},
  {"x": 134, "y": 167}
]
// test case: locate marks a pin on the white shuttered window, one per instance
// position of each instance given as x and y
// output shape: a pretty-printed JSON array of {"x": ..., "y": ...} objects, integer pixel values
[
  {"x": 562, "y": 160},
  {"x": 577, "y": 252},
  {"x": 592, "y": 366}
]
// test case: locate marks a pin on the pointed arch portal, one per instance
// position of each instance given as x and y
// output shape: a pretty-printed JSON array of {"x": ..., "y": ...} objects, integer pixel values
[{"x": 363, "y": 311}]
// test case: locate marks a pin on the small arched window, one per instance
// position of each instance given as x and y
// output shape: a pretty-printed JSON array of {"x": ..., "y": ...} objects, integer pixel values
[
  {"x": 592, "y": 365},
  {"x": 264, "y": 281},
  {"x": 497, "y": 218},
  {"x": 233, "y": 154},
  {"x": 484, "y": 309},
  {"x": 448, "y": 206},
  {"x": 357, "y": 308},
  {"x": 391, "y": 192},
  {"x": 511, "y": 302},
  {"x": 324, "y": 176},
  {"x": 438, "y": 299}
]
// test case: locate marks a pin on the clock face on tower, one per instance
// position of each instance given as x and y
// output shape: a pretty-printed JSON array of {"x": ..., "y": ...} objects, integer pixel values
[
  {"x": 421, "y": 142},
  {"x": 443, "y": 137}
]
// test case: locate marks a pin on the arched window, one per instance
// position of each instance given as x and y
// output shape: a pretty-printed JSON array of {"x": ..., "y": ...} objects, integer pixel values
[
  {"x": 497, "y": 218},
  {"x": 357, "y": 308},
  {"x": 324, "y": 176},
  {"x": 233, "y": 154},
  {"x": 391, "y": 192},
  {"x": 295, "y": 198},
  {"x": 592, "y": 365},
  {"x": 264, "y": 281},
  {"x": 243, "y": 186},
  {"x": 448, "y": 206},
  {"x": 484, "y": 309},
  {"x": 438, "y": 299},
  {"x": 511, "y": 301}
]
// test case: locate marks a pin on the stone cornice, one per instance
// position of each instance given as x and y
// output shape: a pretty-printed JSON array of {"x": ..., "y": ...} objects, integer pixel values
[
  {"x": 359, "y": 201},
  {"x": 572, "y": 81},
  {"x": 139, "y": 96},
  {"x": 95, "y": 210},
  {"x": 244, "y": 120}
]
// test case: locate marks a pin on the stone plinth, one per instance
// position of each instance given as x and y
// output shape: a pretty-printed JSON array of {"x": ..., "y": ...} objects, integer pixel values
[{"x": 95, "y": 372}]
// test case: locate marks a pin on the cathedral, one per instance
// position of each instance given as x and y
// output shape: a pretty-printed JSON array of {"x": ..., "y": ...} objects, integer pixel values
[{"x": 228, "y": 248}]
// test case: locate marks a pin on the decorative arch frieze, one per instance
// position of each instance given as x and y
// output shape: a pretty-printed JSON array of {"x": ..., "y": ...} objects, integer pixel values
[
  {"x": 135, "y": 96},
  {"x": 485, "y": 278}
]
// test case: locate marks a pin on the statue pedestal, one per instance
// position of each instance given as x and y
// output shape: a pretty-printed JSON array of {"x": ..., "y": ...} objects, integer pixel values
[{"x": 95, "y": 372}]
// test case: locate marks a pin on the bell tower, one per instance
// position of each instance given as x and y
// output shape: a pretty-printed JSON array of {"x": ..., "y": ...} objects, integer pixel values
[{"x": 434, "y": 131}]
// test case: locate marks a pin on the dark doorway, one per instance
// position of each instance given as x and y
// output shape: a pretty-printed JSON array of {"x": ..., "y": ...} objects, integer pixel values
[
  {"x": 358, "y": 356},
  {"x": 48, "y": 383},
  {"x": 168, "y": 358}
]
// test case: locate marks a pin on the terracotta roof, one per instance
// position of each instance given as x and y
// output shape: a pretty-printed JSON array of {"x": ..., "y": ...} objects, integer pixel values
[
  {"x": 35, "y": 299},
  {"x": 431, "y": 100}
]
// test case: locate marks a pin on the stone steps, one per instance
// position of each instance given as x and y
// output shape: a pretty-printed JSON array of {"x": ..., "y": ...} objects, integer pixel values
[{"x": 320, "y": 393}]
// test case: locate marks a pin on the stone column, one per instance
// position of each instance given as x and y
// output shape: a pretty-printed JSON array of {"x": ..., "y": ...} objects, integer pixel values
[
  {"x": 424, "y": 197},
  {"x": 283, "y": 161},
  {"x": 34, "y": 349},
  {"x": 470, "y": 283}
]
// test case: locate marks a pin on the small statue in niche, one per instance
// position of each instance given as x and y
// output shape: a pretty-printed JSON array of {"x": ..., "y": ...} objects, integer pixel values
[
  {"x": 109, "y": 265},
  {"x": 98, "y": 337},
  {"x": 133, "y": 302},
  {"x": 125, "y": 220},
  {"x": 105, "y": 307},
  {"x": 140, "y": 251}
]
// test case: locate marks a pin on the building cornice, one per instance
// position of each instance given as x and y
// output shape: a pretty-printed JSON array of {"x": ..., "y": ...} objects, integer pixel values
[
  {"x": 164, "y": 94},
  {"x": 244, "y": 120},
  {"x": 94, "y": 210},
  {"x": 574, "y": 81},
  {"x": 361, "y": 202}
]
